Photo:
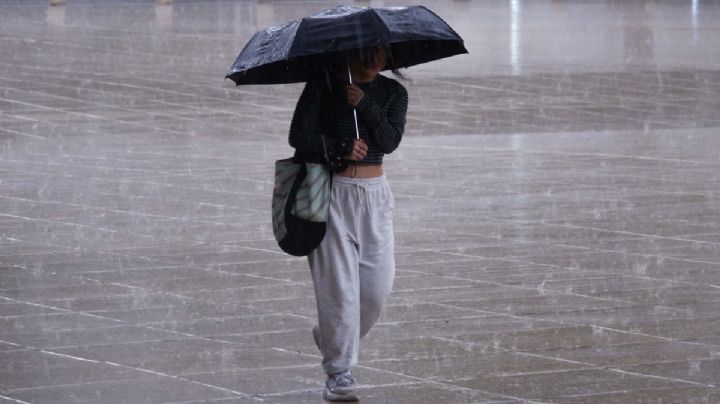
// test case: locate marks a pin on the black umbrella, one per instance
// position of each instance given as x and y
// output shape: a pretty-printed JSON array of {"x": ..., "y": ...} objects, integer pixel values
[{"x": 296, "y": 51}]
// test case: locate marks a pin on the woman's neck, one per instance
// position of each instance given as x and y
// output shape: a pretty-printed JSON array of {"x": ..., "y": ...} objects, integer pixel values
[{"x": 361, "y": 75}]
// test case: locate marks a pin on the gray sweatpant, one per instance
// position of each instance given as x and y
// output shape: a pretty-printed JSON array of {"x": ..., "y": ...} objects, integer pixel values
[{"x": 353, "y": 268}]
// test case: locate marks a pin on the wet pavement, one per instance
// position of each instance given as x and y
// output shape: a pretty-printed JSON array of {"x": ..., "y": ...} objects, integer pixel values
[{"x": 557, "y": 221}]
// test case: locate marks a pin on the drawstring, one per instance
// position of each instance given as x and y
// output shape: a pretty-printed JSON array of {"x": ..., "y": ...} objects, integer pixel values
[
  {"x": 366, "y": 196},
  {"x": 363, "y": 190}
]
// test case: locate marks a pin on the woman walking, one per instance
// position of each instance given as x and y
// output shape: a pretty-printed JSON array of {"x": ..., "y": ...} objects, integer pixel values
[{"x": 354, "y": 266}]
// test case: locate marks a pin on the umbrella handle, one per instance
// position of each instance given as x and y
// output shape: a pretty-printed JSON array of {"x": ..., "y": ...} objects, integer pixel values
[{"x": 357, "y": 131}]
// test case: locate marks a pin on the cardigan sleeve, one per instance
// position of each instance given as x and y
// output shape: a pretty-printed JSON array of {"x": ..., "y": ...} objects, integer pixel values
[
  {"x": 305, "y": 133},
  {"x": 386, "y": 127},
  {"x": 309, "y": 124}
]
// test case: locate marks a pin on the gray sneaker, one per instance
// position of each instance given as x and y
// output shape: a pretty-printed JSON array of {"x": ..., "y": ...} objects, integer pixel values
[{"x": 340, "y": 387}]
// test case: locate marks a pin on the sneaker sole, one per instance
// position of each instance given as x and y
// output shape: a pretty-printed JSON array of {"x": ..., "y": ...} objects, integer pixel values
[{"x": 330, "y": 396}]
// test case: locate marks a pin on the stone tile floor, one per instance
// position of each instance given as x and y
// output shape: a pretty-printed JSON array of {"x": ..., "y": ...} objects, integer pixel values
[{"x": 557, "y": 223}]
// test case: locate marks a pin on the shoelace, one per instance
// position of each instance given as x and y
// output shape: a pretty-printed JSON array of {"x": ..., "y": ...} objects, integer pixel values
[{"x": 343, "y": 380}]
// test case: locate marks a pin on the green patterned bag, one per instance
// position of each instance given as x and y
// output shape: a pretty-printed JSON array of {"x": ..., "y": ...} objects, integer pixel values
[{"x": 300, "y": 205}]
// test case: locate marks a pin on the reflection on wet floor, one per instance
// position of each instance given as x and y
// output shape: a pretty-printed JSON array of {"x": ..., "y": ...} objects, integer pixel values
[{"x": 557, "y": 211}]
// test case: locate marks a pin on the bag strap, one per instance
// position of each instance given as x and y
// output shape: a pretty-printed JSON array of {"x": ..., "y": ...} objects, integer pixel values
[
  {"x": 328, "y": 161},
  {"x": 292, "y": 195}
]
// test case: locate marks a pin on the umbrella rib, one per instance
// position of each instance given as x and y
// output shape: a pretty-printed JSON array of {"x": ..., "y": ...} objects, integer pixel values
[{"x": 381, "y": 28}]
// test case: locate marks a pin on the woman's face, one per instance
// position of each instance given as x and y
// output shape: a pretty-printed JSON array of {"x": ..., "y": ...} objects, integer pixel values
[
  {"x": 378, "y": 63},
  {"x": 380, "y": 59}
]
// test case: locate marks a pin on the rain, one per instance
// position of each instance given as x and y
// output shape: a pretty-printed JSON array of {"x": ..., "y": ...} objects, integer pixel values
[{"x": 557, "y": 218}]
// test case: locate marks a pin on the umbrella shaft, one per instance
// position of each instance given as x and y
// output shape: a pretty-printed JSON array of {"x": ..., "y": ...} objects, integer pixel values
[{"x": 357, "y": 130}]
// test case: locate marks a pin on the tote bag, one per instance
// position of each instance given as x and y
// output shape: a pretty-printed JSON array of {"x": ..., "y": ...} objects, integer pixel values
[{"x": 300, "y": 205}]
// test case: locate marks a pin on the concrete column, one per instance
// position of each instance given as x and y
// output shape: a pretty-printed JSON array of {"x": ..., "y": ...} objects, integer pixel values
[
  {"x": 55, "y": 17},
  {"x": 265, "y": 13},
  {"x": 245, "y": 19},
  {"x": 639, "y": 33},
  {"x": 163, "y": 14}
]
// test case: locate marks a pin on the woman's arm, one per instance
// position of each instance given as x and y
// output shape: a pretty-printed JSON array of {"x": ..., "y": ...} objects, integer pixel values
[
  {"x": 387, "y": 128},
  {"x": 307, "y": 134},
  {"x": 304, "y": 135}
]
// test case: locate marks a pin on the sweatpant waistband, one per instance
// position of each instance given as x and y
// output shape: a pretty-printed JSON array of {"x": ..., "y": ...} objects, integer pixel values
[{"x": 364, "y": 182}]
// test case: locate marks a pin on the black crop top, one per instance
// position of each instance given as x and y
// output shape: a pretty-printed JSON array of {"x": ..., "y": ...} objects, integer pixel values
[{"x": 381, "y": 118}]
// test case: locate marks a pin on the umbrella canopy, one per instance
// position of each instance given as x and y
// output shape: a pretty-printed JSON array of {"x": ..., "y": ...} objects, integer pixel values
[{"x": 295, "y": 51}]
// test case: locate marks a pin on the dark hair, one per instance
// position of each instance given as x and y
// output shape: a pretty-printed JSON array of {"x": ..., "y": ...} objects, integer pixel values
[
  {"x": 366, "y": 56},
  {"x": 336, "y": 63}
]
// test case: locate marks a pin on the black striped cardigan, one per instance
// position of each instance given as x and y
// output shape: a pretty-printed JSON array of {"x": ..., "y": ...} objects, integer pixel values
[{"x": 381, "y": 118}]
